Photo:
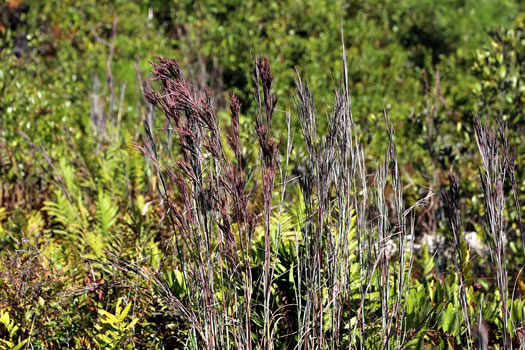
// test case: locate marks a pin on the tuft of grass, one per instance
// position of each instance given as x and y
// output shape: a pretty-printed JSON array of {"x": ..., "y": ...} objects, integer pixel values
[{"x": 344, "y": 280}]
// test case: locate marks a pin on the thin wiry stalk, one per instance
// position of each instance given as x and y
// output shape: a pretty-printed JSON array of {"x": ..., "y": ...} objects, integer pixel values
[
  {"x": 509, "y": 159},
  {"x": 269, "y": 150},
  {"x": 383, "y": 236},
  {"x": 492, "y": 181},
  {"x": 284, "y": 183},
  {"x": 244, "y": 218},
  {"x": 451, "y": 201}
]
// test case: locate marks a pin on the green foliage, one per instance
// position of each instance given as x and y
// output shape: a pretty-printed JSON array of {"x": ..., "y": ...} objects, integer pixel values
[
  {"x": 500, "y": 70},
  {"x": 114, "y": 330},
  {"x": 9, "y": 342}
]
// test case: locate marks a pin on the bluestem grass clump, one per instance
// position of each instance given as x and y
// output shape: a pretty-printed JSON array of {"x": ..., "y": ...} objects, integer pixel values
[
  {"x": 452, "y": 212},
  {"x": 339, "y": 251},
  {"x": 211, "y": 190},
  {"x": 349, "y": 266},
  {"x": 497, "y": 166}
]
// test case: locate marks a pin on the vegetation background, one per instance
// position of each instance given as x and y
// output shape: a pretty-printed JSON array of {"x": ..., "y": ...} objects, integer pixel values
[{"x": 89, "y": 254}]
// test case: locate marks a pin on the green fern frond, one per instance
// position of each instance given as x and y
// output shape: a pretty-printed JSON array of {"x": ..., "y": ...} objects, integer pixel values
[
  {"x": 114, "y": 329},
  {"x": 64, "y": 213},
  {"x": 106, "y": 212},
  {"x": 70, "y": 222},
  {"x": 12, "y": 328}
]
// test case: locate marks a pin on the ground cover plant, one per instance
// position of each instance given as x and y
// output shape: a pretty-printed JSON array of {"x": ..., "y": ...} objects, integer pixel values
[{"x": 352, "y": 180}]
